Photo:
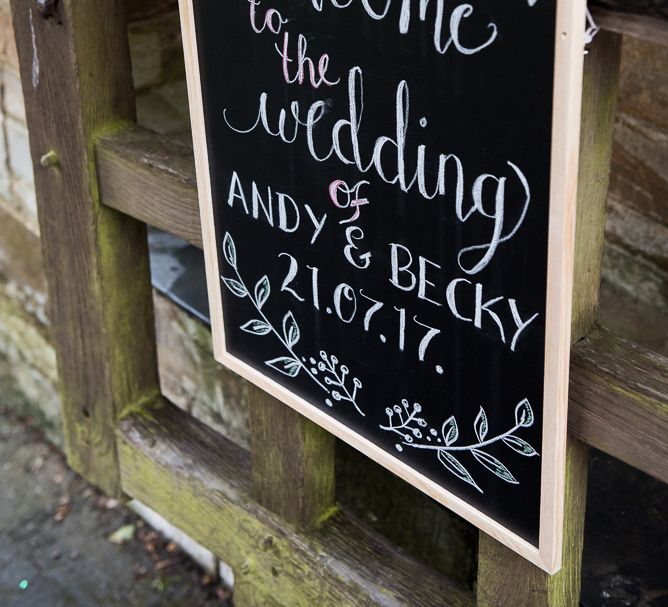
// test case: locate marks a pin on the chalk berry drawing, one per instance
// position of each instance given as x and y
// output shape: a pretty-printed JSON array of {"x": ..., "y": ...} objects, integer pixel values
[
  {"x": 404, "y": 421},
  {"x": 327, "y": 373}
]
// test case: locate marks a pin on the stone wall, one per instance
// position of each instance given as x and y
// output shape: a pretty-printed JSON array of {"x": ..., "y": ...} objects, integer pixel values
[
  {"x": 635, "y": 270},
  {"x": 635, "y": 293},
  {"x": 27, "y": 360}
]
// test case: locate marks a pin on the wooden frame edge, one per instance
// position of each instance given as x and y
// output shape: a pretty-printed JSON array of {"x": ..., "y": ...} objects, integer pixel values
[
  {"x": 567, "y": 103},
  {"x": 203, "y": 174}
]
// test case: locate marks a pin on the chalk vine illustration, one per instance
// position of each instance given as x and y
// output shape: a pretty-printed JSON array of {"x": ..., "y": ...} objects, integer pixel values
[
  {"x": 327, "y": 373},
  {"x": 404, "y": 421}
]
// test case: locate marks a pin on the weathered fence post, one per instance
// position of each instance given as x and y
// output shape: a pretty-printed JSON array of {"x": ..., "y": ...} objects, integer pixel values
[
  {"x": 293, "y": 461},
  {"x": 75, "y": 69},
  {"x": 504, "y": 578}
]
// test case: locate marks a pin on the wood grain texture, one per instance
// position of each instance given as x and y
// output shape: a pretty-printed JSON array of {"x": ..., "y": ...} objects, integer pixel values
[
  {"x": 599, "y": 101},
  {"x": 202, "y": 483},
  {"x": 151, "y": 178},
  {"x": 647, "y": 28},
  {"x": 75, "y": 70},
  {"x": 606, "y": 370},
  {"x": 293, "y": 461},
  {"x": 138, "y": 184},
  {"x": 505, "y": 579}
]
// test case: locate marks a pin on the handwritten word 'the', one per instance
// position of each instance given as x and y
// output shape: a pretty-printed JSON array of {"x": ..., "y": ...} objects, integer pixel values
[{"x": 274, "y": 22}]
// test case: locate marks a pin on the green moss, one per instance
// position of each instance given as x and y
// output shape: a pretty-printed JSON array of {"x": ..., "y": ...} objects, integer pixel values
[
  {"x": 326, "y": 516},
  {"x": 144, "y": 407},
  {"x": 273, "y": 565},
  {"x": 112, "y": 127}
]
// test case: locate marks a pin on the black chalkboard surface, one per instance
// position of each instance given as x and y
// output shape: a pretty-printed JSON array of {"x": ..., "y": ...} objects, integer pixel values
[{"x": 387, "y": 203}]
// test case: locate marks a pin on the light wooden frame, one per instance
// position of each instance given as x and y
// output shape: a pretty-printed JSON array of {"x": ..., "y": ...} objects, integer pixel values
[{"x": 563, "y": 191}]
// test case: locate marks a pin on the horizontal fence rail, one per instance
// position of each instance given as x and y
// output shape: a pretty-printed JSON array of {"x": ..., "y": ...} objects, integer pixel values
[
  {"x": 650, "y": 29},
  {"x": 201, "y": 481},
  {"x": 618, "y": 400},
  {"x": 619, "y": 391},
  {"x": 150, "y": 178}
]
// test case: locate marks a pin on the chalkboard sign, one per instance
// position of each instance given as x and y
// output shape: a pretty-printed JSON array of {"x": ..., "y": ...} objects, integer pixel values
[{"x": 387, "y": 194}]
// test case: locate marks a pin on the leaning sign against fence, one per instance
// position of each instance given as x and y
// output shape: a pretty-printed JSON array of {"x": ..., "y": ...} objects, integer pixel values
[{"x": 387, "y": 192}]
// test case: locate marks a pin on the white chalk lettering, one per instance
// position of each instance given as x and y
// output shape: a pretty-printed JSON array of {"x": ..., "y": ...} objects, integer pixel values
[
  {"x": 509, "y": 207},
  {"x": 446, "y": 32},
  {"x": 277, "y": 209}
]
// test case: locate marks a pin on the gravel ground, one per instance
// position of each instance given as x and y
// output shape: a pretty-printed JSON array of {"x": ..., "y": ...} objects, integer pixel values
[{"x": 56, "y": 533}]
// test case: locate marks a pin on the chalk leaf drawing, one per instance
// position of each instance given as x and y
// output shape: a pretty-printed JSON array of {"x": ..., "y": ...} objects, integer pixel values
[
  {"x": 327, "y": 373},
  {"x": 405, "y": 421}
]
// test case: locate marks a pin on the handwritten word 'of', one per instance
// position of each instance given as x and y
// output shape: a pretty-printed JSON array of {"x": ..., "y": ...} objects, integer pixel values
[{"x": 351, "y": 203}]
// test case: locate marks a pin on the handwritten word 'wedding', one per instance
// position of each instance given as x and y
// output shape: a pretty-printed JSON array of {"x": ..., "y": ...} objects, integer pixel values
[{"x": 450, "y": 174}]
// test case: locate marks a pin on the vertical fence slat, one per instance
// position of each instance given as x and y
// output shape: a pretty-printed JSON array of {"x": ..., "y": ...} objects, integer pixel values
[
  {"x": 76, "y": 75},
  {"x": 505, "y": 579},
  {"x": 293, "y": 461},
  {"x": 599, "y": 102},
  {"x": 292, "y": 474}
]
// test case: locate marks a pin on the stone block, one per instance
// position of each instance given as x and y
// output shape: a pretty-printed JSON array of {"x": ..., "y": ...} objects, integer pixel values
[
  {"x": 637, "y": 277},
  {"x": 643, "y": 91},
  {"x": 143, "y": 9},
  {"x": 638, "y": 185},
  {"x": 25, "y": 203},
  {"x": 5, "y": 174},
  {"x": 18, "y": 150},
  {"x": 164, "y": 110},
  {"x": 146, "y": 53},
  {"x": 637, "y": 233},
  {"x": 646, "y": 141},
  {"x": 12, "y": 101},
  {"x": 8, "y": 54},
  {"x": 28, "y": 373},
  {"x": 627, "y": 315},
  {"x": 206, "y": 559},
  {"x": 156, "y": 50},
  {"x": 21, "y": 257},
  {"x": 192, "y": 379}
]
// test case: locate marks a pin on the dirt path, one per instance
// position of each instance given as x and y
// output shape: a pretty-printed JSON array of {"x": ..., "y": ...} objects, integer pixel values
[{"x": 54, "y": 540}]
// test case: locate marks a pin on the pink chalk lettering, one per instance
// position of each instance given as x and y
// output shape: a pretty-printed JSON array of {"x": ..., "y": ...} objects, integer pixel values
[
  {"x": 355, "y": 203},
  {"x": 272, "y": 19},
  {"x": 317, "y": 76}
]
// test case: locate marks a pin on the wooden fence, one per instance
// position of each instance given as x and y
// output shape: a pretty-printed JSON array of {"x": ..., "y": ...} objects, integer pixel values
[{"x": 271, "y": 513}]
